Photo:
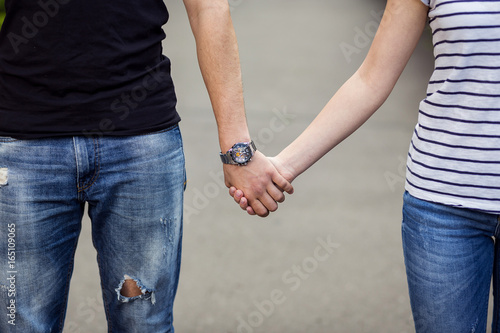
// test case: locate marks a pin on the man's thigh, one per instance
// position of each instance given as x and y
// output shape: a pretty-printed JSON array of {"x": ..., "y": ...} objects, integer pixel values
[
  {"x": 136, "y": 206},
  {"x": 40, "y": 220}
]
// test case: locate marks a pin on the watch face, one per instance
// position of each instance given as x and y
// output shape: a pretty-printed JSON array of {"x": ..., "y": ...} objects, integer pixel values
[{"x": 241, "y": 153}]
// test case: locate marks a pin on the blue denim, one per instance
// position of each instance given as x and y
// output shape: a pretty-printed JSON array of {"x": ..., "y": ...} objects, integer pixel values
[
  {"x": 451, "y": 255},
  {"x": 134, "y": 189}
]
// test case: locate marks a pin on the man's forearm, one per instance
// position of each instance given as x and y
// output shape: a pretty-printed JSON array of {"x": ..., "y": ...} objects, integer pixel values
[{"x": 220, "y": 66}]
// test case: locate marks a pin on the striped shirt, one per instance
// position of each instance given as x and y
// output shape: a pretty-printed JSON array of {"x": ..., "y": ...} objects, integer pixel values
[{"x": 454, "y": 156}]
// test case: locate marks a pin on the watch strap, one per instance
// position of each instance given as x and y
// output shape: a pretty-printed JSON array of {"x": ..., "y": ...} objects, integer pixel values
[
  {"x": 253, "y": 146},
  {"x": 228, "y": 159}
]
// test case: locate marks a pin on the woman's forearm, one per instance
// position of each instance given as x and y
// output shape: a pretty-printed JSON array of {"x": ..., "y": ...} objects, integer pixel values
[
  {"x": 348, "y": 109},
  {"x": 365, "y": 91}
]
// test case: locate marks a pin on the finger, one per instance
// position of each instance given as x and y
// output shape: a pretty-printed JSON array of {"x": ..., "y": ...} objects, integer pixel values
[
  {"x": 268, "y": 202},
  {"x": 282, "y": 183},
  {"x": 259, "y": 208},
  {"x": 250, "y": 211},
  {"x": 238, "y": 195},
  {"x": 244, "y": 203},
  {"x": 276, "y": 193},
  {"x": 232, "y": 190}
]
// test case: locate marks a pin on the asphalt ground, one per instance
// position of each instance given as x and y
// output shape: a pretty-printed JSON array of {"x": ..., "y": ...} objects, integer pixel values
[{"x": 330, "y": 259}]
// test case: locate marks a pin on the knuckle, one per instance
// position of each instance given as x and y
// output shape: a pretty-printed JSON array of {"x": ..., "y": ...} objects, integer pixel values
[{"x": 258, "y": 190}]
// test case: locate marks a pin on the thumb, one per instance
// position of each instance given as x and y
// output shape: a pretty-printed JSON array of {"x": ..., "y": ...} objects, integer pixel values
[{"x": 282, "y": 183}]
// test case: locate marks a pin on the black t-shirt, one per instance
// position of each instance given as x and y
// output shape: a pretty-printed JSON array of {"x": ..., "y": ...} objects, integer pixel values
[{"x": 82, "y": 67}]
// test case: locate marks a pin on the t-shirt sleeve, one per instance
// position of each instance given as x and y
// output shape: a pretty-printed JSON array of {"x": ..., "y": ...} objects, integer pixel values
[{"x": 426, "y": 2}]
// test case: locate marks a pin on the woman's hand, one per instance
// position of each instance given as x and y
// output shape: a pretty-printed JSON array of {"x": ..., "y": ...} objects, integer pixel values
[{"x": 239, "y": 196}]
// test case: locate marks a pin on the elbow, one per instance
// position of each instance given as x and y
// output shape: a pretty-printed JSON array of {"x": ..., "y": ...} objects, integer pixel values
[
  {"x": 376, "y": 83},
  {"x": 199, "y": 11}
]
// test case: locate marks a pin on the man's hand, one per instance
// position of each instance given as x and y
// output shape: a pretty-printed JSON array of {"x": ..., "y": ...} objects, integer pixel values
[
  {"x": 260, "y": 182},
  {"x": 220, "y": 66},
  {"x": 241, "y": 197}
]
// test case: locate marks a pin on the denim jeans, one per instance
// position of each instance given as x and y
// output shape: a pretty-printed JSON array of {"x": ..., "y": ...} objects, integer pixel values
[
  {"x": 451, "y": 255},
  {"x": 134, "y": 189}
]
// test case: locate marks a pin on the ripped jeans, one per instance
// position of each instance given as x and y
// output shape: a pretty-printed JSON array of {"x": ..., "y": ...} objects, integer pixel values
[{"x": 134, "y": 189}]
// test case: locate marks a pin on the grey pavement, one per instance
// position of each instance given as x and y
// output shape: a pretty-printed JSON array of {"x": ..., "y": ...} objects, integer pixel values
[{"x": 330, "y": 259}]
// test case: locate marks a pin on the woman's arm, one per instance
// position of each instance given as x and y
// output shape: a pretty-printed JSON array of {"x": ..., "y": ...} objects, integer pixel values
[{"x": 395, "y": 41}]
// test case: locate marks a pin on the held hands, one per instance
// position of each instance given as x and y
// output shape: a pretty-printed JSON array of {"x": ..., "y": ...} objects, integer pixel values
[{"x": 265, "y": 183}]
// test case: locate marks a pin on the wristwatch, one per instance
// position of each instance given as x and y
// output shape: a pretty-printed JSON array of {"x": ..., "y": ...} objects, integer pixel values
[{"x": 239, "y": 154}]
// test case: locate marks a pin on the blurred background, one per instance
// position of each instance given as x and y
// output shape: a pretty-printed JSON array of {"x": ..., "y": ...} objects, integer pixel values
[{"x": 330, "y": 259}]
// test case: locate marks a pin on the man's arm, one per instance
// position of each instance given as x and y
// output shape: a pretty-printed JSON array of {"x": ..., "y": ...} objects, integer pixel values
[{"x": 220, "y": 66}]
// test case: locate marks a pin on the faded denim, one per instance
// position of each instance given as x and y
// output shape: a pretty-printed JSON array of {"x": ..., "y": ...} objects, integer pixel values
[
  {"x": 451, "y": 255},
  {"x": 134, "y": 189}
]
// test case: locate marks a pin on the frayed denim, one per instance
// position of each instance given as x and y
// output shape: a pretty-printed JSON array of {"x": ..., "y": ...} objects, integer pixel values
[{"x": 134, "y": 189}]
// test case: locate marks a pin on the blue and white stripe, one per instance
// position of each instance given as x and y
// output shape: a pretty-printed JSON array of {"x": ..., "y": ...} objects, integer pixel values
[{"x": 454, "y": 156}]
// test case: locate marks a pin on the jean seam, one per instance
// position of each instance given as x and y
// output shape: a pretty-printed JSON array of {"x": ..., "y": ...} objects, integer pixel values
[
  {"x": 496, "y": 293},
  {"x": 497, "y": 229},
  {"x": 486, "y": 300},
  {"x": 66, "y": 295},
  {"x": 104, "y": 296},
  {"x": 97, "y": 167}
]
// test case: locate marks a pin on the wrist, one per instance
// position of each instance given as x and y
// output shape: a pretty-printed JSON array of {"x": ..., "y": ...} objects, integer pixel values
[
  {"x": 228, "y": 142},
  {"x": 230, "y": 135}
]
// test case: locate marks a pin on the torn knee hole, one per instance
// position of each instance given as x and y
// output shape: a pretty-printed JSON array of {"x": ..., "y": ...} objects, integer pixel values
[{"x": 130, "y": 289}]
